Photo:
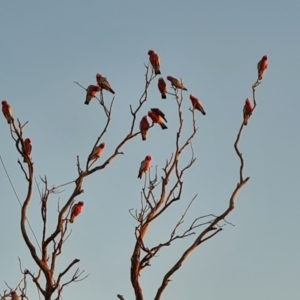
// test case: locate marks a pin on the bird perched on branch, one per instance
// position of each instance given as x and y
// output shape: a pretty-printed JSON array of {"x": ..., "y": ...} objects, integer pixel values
[
  {"x": 7, "y": 111},
  {"x": 155, "y": 61},
  {"x": 159, "y": 113},
  {"x": 103, "y": 83},
  {"x": 144, "y": 127},
  {"x": 247, "y": 111},
  {"x": 176, "y": 83},
  {"x": 197, "y": 104},
  {"x": 262, "y": 66},
  {"x": 157, "y": 118},
  {"x": 27, "y": 148},
  {"x": 145, "y": 166},
  {"x": 162, "y": 86},
  {"x": 97, "y": 152},
  {"x": 76, "y": 210},
  {"x": 91, "y": 92},
  {"x": 14, "y": 296}
]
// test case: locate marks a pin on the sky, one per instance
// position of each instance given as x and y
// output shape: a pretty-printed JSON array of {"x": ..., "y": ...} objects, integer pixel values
[{"x": 214, "y": 46}]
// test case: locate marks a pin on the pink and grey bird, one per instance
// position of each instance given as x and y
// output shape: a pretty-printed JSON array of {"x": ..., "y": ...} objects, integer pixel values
[
  {"x": 14, "y": 296},
  {"x": 155, "y": 61},
  {"x": 145, "y": 166},
  {"x": 97, "y": 151},
  {"x": 262, "y": 66},
  {"x": 159, "y": 113},
  {"x": 157, "y": 119},
  {"x": 247, "y": 111},
  {"x": 162, "y": 86},
  {"x": 76, "y": 210},
  {"x": 176, "y": 83},
  {"x": 91, "y": 92},
  {"x": 197, "y": 104},
  {"x": 27, "y": 148},
  {"x": 144, "y": 127},
  {"x": 103, "y": 83},
  {"x": 7, "y": 111}
]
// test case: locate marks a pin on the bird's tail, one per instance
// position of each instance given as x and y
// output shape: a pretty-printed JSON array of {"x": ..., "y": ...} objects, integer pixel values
[
  {"x": 163, "y": 126},
  {"x": 163, "y": 96},
  {"x": 144, "y": 135}
]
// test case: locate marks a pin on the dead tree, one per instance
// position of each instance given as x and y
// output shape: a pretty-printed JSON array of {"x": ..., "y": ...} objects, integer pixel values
[{"x": 50, "y": 282}]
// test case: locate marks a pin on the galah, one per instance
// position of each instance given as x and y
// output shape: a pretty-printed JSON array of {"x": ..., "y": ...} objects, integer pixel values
[
  {"x": 76, "y": 210},
  {"x": 97, "y": 151},
  {"x": 197, "y": 104},
  {"x": 145, "y": 166},
  {"x": 103, "y": 83},
  {"x": 247, "y": 111},
  {"x": 155, "y": 61},
  {"x": 176, "y": 83},
  {"x": 14, "y": 296},
  {"x": 27, "y": 148},
  {"x": 91, "y": 92},
  {"x": 162, "y": 86},
  {"x": 262, "y": 66},
  {"x": 7, "y": 111},
  {"x": 144, "y": 126},
  {"x": 159, "y": 113},
  {"x": 157, "y": 119}
]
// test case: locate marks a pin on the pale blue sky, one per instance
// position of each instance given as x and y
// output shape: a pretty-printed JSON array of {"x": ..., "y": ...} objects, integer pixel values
[{"x": 214, "y": 47}]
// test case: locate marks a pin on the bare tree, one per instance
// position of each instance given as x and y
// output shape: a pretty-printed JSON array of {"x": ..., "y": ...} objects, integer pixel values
[{"x": 49, "y": 282}]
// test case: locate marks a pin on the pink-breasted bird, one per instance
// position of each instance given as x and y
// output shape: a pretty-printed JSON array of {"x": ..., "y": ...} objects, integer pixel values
[
  {"x": 103, "y": 83},
  {"x": 14, "y": 296},
  {"x": 159, "y": 113},
  {"x": 155, "y": 61},
  {"x": 247, "y": 111},
  {"x": 7, "y": 111},
  {"x": 262, "y": 66},
  {"x": 76, "y": 210},
  {"x": 144, "y": 127},
  {"x": 176, "y": 83},
  {"x": 157, "y": 119},
  {"x": 97, "y": 151},
  {"x": 162, "y": 86},
  {"x": 27, "y": 148},
  {"x": 145, "y": 166},
  {"x": 91, "y": 92},
  {"x": 197, "y": 104}
]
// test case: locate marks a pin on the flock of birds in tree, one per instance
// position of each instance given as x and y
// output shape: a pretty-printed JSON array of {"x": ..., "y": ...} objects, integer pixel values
[{"x": 155, "y": 114}]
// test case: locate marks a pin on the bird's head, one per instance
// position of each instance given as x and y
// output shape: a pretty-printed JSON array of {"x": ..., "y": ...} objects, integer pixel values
[
  {"x": 102, "y": 145},
  {"x": 151, "y": 114},
  {"x": 170, "y": 78},
  {"x": 28, "y": 141},
  {"x": 151, "y": 52},
  {"x": 80, "y": 203},
  {"x": 4, "y": 102},
  {"x": 98, "y": 76},
  {"x": 148, "y": 157}
]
